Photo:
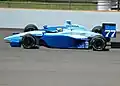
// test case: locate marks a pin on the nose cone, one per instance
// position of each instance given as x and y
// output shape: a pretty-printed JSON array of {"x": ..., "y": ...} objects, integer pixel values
[{"x": 6, "y": 39}]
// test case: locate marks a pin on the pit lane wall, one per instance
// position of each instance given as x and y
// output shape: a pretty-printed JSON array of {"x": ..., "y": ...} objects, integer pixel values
[{"x": 19, "y": 18}]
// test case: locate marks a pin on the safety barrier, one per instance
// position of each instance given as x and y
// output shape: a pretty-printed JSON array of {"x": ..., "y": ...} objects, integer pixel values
[{"x": 19, "y": 18}]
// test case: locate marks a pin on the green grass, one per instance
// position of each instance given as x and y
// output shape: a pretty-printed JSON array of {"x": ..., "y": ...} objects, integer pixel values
[{"x": 42, "y": 5}]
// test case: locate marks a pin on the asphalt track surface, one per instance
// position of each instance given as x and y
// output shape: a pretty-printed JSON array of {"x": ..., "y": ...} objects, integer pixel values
[{"x": 57, "y": 67}]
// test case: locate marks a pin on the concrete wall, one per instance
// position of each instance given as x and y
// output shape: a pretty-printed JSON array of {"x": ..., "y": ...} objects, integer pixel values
[{"x": 19, "y": 18}]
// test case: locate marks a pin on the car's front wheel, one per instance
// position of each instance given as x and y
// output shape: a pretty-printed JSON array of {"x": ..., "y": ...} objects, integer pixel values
[
  {"x": 29, "y": 41},
  {"x": 98, "y": 43}
]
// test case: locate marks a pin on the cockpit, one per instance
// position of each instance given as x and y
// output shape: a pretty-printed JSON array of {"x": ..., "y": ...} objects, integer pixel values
[{"x": 54, "y": 29}]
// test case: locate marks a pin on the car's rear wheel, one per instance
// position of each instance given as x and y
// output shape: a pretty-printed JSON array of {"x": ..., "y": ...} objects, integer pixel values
[
  {"x": 98, "y": 29},
  {"x": 98, "y": 43},
  {"x": 29, "y": 41},
  {"x": 30, "y": 27}
]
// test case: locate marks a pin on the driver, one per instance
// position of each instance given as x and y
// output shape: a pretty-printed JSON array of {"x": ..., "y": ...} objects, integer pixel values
[{"x": 59, "y": 30}]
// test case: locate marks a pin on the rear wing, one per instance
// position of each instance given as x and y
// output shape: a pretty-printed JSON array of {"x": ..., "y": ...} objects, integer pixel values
[{"x": 109, "y": 30}]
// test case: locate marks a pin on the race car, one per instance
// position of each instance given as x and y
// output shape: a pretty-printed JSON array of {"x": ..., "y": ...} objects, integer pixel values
[{"x": 67, "y": 36}]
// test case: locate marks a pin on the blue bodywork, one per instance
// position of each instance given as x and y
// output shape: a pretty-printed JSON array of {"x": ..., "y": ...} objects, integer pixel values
[{"x": 66, "y": 36}]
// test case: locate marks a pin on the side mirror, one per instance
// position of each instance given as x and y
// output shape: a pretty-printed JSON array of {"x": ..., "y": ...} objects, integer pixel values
[
  {"x": 68, "y": 23},
  {"x": 45, "y": 27}
]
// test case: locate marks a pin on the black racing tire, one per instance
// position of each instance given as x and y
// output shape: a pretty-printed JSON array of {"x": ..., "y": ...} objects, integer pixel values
[
  {"x": 98, "y": 43},
  {"x": 97, "y": 29},
  {"x": 30, "y": 27},
  {"x": 29, "y": 41}
]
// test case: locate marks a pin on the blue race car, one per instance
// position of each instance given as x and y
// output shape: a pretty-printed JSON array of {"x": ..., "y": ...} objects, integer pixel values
[{"x": 64, "y": 37}]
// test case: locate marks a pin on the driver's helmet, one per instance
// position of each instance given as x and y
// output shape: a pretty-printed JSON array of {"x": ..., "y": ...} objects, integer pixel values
[{"x": 59, "y": 30}]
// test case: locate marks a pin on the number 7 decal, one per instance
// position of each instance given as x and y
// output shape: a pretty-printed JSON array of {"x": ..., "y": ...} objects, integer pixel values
[
  {"x": 114, "y": 32},
  {"x": 110, "y": 33},
  {"x": 107, "y": 33}
]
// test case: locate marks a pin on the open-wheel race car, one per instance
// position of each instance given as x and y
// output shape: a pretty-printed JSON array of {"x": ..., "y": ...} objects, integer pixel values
[{"x": 67, "y": 36}]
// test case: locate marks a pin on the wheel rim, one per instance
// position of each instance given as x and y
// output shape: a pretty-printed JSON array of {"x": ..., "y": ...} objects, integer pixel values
[
  {"x": 28, "y": 42},
  {"x": 98, "y": 44}
]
